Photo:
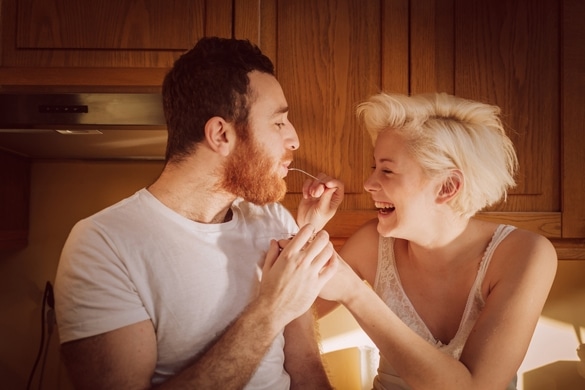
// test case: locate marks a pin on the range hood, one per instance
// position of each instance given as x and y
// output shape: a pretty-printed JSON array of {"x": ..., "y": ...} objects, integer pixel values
[{"x": 83, "y": 125}]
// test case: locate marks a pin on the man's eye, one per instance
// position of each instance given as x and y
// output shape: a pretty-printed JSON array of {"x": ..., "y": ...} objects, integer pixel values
[{"x": 280, "y": 125}]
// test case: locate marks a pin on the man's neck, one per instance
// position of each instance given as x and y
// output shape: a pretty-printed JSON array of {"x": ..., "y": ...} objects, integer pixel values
[{"x": 193, "y": 195}]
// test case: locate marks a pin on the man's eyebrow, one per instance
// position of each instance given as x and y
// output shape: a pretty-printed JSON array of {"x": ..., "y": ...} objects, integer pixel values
[{"x": 281, "y": 110}]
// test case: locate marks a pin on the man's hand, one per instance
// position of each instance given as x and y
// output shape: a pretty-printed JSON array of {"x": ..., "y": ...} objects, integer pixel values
[
  {"x": 321, "y": 198},
  {"x": 293, "y": 276}
]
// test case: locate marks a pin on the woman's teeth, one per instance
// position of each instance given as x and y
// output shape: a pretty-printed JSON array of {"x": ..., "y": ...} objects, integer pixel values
[{"x": 384, "y": 207}]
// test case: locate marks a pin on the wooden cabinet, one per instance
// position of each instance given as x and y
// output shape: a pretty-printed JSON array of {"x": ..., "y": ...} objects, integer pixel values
[
  {"x": 14, "y": 199},
  {"x": 330, "y": 55},
  {"x": 113, "y": 43},
  {"x": 525, "y": 56}
]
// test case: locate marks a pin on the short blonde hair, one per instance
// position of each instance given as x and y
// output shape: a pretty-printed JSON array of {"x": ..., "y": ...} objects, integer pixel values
[{"x": 445, "y": 132}]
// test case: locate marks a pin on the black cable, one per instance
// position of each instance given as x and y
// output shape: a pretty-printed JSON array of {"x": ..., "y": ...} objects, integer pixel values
[
  {"x": 47, "y": 298},
  {"x": 46, "y": 352}
]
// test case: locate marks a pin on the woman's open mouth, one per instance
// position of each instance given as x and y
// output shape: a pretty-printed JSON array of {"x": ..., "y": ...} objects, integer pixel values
[{"x": 384, "y": 208}]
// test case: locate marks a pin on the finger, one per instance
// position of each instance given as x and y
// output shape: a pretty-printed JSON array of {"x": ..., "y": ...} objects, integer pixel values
[
  {"x": 317, "y": 190},
  {"x": 271, "y": 256},
  {"x": 323, "y": 257},
  {"x": 303, "y": 236},
  {"x": 329, "y": 269},
  {"x": 307, "y": 188},
  {"x": 327, "y": 182},
  {"x": 314, "y": 249},
  {"x": 327, "y": 196},
  {"x": 283, "y": 243}
]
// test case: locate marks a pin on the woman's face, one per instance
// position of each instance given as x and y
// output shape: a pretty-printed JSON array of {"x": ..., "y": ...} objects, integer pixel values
[{"x": 401, "y": 191}]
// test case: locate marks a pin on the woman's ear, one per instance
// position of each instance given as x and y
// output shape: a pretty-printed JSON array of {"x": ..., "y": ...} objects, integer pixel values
[
  {"x": 220, "y": 135},
  {"x": 451, "y": 186}
]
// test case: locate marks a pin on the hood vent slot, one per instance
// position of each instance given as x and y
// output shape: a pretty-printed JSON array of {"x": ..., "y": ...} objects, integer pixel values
[{"x": 22, "y": 111}]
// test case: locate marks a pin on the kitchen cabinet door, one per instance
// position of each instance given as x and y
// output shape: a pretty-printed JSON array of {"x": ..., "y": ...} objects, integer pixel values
[
  {"x": 71, "y": 42},
  {"x": 504, "y": 53},
  {"x": 573, "y": 122},
  {"x": 329, "y": 56}
]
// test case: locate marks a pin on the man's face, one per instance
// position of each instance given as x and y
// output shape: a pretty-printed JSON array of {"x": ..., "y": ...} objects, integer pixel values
[
  {"x": 250, "y": 174},
  {"x": 256, "y": 168}
]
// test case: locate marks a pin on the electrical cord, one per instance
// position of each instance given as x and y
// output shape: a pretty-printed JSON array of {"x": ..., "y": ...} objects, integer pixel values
[{"x": 48, "y": 299}]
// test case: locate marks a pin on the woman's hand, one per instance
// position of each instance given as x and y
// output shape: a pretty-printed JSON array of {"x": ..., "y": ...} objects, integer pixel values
[
  {"x": 343, "y": 284},
  {"x": 321, "y": 198}
]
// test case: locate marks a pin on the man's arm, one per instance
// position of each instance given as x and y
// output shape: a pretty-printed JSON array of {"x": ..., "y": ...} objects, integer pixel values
[
  {"x": 302, "y": 355},
  {"x": 125, "y": 358},
  {"x": 121, "y": 359}
]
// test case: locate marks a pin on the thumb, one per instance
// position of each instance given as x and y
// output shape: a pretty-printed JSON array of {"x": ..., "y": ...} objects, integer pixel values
[{"x": 331, "y": 197}]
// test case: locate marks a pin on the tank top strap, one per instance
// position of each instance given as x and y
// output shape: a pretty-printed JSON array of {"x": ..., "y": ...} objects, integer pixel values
[{"x": 501, "y": 232}]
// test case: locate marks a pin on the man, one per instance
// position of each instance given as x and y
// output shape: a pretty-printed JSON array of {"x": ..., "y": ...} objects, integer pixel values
[{"x": 167, "y": 288}]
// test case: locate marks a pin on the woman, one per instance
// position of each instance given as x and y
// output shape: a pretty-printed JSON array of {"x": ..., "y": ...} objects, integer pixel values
[{"x": 454, "y": 300}]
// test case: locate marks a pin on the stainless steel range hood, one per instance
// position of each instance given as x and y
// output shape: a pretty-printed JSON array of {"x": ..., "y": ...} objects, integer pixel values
[{"x": 83, "y": 125}]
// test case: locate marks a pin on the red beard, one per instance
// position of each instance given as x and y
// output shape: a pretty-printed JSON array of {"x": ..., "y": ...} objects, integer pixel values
[{"x": 249, "y": 174}]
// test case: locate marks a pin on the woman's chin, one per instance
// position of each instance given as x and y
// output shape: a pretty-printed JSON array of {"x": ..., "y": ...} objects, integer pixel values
[{"x": 384, "y": 228}]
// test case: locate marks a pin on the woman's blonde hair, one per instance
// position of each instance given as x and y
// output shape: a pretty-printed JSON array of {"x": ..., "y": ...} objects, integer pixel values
[{"x": 445, "y": 132}]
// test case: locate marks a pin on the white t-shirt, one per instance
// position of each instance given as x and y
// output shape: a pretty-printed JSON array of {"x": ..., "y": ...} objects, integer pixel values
[{"x": 139, "y": 260}]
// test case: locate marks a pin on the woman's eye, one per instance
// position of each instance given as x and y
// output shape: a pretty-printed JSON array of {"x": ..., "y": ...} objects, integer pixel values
[
  {"x": 383, "y": 170},
  {"x": 280, "y": 125}
]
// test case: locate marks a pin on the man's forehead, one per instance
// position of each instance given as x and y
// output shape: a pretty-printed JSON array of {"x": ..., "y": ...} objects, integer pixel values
[{"x": 267, "y": 94}]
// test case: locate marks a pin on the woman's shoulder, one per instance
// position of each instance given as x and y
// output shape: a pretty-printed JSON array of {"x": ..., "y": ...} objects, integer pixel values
[
  {"x": 523, "y": 249},
  {"x": 360, "y": 250},
  {"x": 368, "y": 231},
  {"x": 528, "y": 242}
]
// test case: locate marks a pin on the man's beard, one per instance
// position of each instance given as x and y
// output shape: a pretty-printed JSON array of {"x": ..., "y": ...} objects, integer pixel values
[{"x": 249, "y": 174}]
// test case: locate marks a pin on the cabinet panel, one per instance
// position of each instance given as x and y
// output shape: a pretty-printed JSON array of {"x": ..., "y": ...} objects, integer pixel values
[
  {"x": 505, "y": 53},
  {"x": 123, "y": 34},
  {"x": 139, "y": 25},
  {"x": 328, "y": 56},
  {"x": 517, "y": 68},
  {"x": 432, "y": 46},
  {"x": 573, "y": 120}
]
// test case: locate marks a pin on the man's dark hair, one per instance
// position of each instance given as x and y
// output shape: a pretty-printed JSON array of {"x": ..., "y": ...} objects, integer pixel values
[{"x": 209, "y": 80}]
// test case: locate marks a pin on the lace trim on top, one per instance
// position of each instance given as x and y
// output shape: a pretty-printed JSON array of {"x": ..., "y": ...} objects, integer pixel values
[{"x": 389, "y": 287}]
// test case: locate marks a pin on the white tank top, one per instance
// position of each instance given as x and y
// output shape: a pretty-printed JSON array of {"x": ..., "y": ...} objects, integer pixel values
[{"x": 388, "y": 286}]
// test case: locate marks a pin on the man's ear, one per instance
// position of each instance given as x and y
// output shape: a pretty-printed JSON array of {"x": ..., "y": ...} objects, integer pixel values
[
  {"x": 451, "y": 186},
  {"x": 220, "y": 135}
]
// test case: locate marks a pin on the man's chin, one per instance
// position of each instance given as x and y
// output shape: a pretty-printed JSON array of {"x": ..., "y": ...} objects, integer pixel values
[{"x": 263, "y": 196}]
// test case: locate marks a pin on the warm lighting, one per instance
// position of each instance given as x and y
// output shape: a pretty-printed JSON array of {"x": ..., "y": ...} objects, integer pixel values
[{"x": 78, "y": 132}]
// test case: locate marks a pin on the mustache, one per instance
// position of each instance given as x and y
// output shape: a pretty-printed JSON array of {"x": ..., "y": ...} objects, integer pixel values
[{"x": 288, "y": 156}]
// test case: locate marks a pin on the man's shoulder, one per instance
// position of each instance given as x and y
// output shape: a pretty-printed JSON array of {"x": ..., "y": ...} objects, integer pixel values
[{"x": 122, "y": 210}]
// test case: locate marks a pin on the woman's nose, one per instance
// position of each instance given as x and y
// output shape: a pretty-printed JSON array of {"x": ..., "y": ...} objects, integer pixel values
[{"x": 371, "y": 184}]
